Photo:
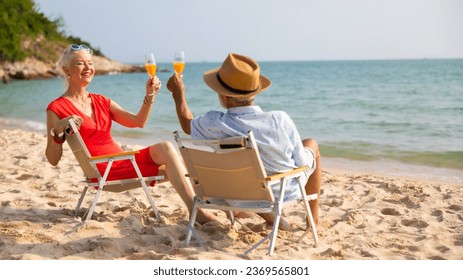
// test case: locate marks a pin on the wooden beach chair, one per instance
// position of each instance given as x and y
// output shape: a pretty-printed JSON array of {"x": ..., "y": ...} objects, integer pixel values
[
  {"x": 99, "y": 181},
  {"x": 228, "y": 174}
]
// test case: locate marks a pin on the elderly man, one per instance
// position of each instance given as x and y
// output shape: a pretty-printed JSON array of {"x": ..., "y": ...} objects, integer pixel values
[{"x": 237, "y": 81}]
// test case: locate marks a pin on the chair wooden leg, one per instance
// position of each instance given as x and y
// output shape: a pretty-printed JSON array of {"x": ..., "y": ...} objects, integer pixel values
[
  {"x": 145, "y": 189},
  {"x": 310, "y": 227},
  {"x": 81, "y": 199},
  {"x": 273, "y": 234},
  {"x": 258, "y": 244},
  {"x": 305, "y": 200},
  {"x": 150, "y": 199},
  {"x": 95, "y": 200},
  {"x": 231, "y": 217},
  {"x": 101, "y": 184},
  {"x": 191, "y": 224}
]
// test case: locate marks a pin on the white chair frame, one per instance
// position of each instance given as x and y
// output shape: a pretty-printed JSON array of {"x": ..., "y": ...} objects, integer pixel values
[
  {"x": 88, "y": 164},
  {"x": 203, "y": 158}
]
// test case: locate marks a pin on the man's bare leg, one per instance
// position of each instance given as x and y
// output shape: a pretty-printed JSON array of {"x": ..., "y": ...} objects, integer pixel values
[{"x": 314, "y": 183}]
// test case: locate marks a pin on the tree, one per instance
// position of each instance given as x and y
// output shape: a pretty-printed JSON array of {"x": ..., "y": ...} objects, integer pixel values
[{"x": 25, "y": 31}]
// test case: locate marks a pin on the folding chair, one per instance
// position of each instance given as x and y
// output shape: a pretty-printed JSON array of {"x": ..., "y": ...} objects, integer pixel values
[
  {"x": 99, "y": 181},
  {"x": 228, "y": 174}
]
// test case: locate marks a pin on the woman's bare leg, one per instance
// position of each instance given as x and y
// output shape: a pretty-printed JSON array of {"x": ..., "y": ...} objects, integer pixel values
[{"x": 165, "y": 154}]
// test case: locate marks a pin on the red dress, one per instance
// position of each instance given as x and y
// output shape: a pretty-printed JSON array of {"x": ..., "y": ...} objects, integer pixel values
[{"x": 96, "y": 134}]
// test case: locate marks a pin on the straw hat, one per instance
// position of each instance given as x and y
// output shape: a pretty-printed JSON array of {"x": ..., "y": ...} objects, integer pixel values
[{"x": 239, "y": 76}]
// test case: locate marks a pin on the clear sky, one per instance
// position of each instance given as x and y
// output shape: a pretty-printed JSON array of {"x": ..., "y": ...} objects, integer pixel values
[{"x": 267, "y": 30}]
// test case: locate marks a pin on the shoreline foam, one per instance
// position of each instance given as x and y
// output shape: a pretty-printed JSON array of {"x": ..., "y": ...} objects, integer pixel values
[{"x": 380, "y": 167}]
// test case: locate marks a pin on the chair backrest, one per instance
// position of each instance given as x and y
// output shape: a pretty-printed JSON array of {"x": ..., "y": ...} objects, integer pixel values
[
  {"x": 80, "y": 151},
  {"x": 230, "y": 172}
]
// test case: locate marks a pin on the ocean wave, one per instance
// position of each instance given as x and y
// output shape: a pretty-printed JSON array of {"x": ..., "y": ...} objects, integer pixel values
[
  {"x": 23, "y": 124},
  {"x": 367, "y": 151}
]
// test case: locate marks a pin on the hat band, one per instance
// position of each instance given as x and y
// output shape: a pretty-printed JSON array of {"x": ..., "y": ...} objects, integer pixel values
[{"x": 238, "y": 91}]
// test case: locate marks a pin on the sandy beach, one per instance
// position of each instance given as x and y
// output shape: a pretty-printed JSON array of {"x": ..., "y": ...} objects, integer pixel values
[{"x": 362, "y": 217}]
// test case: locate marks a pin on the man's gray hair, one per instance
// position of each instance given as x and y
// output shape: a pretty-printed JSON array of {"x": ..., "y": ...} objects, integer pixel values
[{"x": 242, "y": 101}]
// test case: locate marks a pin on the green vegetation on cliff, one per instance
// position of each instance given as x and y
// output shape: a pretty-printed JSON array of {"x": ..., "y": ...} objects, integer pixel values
[{"x": 26, "y": 32}]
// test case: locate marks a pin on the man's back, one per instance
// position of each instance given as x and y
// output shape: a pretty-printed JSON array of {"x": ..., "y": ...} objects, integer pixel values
[{"x": 276, "y": 135}]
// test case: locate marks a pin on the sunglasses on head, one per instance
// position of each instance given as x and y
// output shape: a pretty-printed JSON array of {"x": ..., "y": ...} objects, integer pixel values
[{"x": 75, "y": 47}]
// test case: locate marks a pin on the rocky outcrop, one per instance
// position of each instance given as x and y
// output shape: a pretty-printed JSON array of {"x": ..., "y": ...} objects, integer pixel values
[
  {"x": 28, "y": 69},
  {"x": 107, "y": 66},
  {"x": 32, "y": 68}
]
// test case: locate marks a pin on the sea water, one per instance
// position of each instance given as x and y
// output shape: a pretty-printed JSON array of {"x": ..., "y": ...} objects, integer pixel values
[{"x": 405, "y": 116}]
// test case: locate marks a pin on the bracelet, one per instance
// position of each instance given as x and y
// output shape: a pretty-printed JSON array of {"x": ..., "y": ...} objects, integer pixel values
[
  {"x": 59, "y": 140},
  {"x": 147, "y": 102}
]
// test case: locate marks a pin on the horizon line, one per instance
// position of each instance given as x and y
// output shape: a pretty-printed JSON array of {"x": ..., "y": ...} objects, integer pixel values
[{"x": 308, "y": 60}]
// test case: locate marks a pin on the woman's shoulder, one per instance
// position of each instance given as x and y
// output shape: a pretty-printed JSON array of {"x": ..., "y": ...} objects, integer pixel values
[
  {"x": 100, "y": 97},
  {"x": 56, "y": 102},
  {"x": 97, "y": 95}
]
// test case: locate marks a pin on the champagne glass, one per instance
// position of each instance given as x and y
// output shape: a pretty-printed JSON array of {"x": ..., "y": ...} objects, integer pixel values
[
  {"x": 150, "y": 64},
  {"x": 179, "y": 62}
]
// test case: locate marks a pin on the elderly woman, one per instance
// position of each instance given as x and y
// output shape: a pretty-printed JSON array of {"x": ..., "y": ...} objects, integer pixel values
[{"x": 93, "y": 113}]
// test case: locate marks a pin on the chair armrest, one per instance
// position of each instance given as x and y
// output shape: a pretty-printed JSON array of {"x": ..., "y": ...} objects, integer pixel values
[
  {"x": 278, "y": 176},
  {"x": 121, "y": 154}
]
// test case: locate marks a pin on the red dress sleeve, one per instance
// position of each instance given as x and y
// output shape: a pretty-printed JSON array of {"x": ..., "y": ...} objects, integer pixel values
[{"x": 96, "y": 131}]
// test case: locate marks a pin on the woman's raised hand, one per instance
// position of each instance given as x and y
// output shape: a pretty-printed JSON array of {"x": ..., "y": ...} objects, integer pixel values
[{"x": 153, "y": 85}]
